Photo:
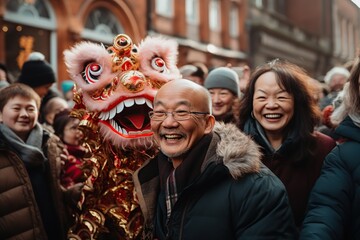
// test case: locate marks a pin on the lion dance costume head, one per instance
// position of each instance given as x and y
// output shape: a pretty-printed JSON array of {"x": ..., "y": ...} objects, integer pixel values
[{"x": 114, "y": 91}]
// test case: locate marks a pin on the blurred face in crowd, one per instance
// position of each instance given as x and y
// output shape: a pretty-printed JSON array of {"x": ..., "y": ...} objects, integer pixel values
[
  {"x": 175, "y": 134},
  {"x": 43, "y": 89},
  {"x": 273, "y": 107},
  {"x": 69, "y": 95},
  {"x": 53, "y": 106},
  {"x": 2, "y": 75},
  {"x": 222, "y": 101},
  {"x": 337, "y": 82},
  {"x": 20, "y": 114},
  {"x": 72, "y": 135}
]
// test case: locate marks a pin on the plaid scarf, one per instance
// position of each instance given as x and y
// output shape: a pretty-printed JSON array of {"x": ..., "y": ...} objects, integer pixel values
[
  {"x": 171, "y": 193},
  {"x": 174, "y": 181}
]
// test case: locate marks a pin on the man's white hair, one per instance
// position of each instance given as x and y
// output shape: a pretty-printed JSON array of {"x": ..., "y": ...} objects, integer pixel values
[{"x": 335, "y": 70}]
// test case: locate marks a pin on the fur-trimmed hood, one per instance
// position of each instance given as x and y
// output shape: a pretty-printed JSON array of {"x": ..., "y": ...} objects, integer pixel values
[{"x": 239, "y": 153}]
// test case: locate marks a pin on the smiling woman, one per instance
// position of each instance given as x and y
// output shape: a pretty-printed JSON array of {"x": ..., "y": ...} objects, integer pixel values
[{"x": 279, "y": 112}]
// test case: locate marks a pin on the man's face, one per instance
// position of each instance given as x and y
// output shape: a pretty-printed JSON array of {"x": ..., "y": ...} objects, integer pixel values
[
  {"x": 20, "y": 115},
  {"x": 337, "y": 82},
  {"x": 177, "y": 137}
]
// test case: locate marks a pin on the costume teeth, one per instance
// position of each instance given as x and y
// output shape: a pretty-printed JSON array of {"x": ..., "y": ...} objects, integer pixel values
[{"x": 120, "y": 107}]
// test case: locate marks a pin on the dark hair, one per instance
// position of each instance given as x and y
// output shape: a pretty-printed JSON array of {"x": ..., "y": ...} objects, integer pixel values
[
  {"x": 295, "y": 81},
  {"x": 4, "y": 68},
  {"x": 60, "y": 120},
  {"x": 18, "y": 89}
]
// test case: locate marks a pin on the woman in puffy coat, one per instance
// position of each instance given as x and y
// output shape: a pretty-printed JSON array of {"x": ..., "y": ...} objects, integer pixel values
[
  {"x": 334, "y": 204},
  {"x": 30, "y": 196},
  {"x": 279, "y": 112}
]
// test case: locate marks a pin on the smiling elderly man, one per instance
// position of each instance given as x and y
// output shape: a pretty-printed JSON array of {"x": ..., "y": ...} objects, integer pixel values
[{"x": 208, "y": 181}]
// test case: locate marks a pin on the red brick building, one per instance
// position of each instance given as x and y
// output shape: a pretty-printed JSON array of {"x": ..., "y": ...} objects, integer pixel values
[{"x": 315, "y": 34}]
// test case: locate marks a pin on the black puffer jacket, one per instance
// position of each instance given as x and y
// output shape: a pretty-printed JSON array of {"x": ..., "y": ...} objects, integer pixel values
[
  {"x": 20, "y": 216},
  {"x": 234, "y": 197},
  {"x": 334, "y": 204}
]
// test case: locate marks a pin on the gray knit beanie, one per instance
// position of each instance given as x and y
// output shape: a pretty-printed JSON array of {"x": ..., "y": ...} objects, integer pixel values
[{"x": 223, "y": 77}]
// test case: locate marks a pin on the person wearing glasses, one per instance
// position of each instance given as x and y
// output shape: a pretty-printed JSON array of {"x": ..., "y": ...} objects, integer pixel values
[{"x": 207, "y": 182}]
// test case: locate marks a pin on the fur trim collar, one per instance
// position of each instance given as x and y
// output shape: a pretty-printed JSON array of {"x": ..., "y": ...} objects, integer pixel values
[{"x": 239, "y": 153}]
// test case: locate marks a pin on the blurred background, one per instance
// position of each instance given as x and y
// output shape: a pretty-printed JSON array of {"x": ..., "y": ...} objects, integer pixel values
[{"x": 315, "y": 34}]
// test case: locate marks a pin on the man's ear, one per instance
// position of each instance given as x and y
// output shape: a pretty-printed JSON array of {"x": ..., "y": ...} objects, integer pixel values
[
  {"x": 1, "y": 117},
  {"x": 210, "y": 123}
]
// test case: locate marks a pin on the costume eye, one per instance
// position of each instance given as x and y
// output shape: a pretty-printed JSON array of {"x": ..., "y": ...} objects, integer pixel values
[
  {"x": 92, "y": 72},
  {"x": 134, "y": 49},
  {"x": 159, "y": 64}
]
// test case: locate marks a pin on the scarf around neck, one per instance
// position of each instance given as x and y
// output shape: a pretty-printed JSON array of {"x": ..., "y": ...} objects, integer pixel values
[
  {"x": 30, "y": 151},
  {"x": 174, "y": 181},
  {"x": 254, "y": 129}
]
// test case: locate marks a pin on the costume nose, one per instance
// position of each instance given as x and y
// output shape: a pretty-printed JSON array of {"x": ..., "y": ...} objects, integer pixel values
[{"x": 134, "y": 81}]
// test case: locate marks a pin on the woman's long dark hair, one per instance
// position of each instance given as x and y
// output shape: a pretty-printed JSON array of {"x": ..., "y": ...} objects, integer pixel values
[
  {"x": 295, "y": 81},
  {"x": 354, "y": 90}
]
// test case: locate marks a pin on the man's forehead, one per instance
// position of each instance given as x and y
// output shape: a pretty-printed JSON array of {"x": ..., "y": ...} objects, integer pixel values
[{"x": 175, "y": 102}]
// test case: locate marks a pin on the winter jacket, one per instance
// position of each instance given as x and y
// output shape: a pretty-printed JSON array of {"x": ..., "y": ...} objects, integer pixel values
[
  {"x": 334, "y": 204},
  {"x": 20, "y": 216},
  {"x": 298, "y": 178},
  {"x": 234, "y": 196}
]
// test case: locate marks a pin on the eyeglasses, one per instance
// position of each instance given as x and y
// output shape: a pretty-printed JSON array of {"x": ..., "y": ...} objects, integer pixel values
[{"x": 177, "y": 115}]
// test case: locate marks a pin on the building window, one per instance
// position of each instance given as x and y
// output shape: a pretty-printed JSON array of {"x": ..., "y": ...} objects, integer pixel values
[
  {"x": 259, "y": 3},
  {"x": 351, "y": 42},
  {"x": 234, "y": 21},
  {"x": 344, "y": 36},
  {"x": 29, "y": 26},
  {"x": 192, "y": 11},
  {"x": 101, "y": 26},
  {"x": 214, "y": 15},
  {"x": 280, "y": 7},
  {"x": 274, "y": 6},
  {"x": 35, "y": 8},
  {"x": 164, "y": 7}
]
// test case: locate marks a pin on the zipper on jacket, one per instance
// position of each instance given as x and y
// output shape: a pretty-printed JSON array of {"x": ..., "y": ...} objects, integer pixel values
[
  {"x": 167, "y": 236},
  {"x": 183, "y": 219}
]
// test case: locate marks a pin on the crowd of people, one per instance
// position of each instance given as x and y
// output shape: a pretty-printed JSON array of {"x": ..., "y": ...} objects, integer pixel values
[{"x": 264, "y": 154}]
